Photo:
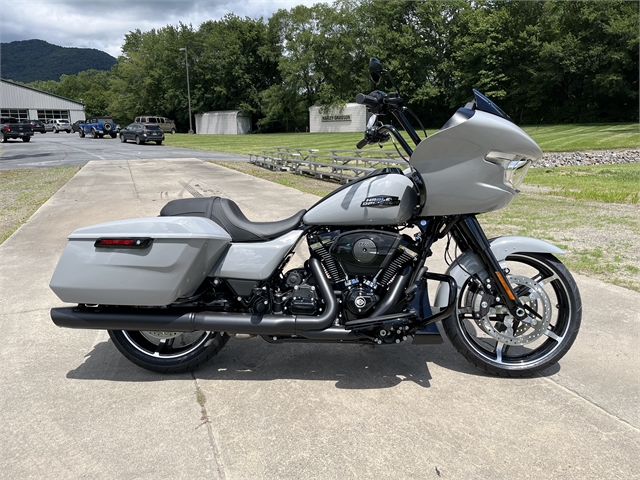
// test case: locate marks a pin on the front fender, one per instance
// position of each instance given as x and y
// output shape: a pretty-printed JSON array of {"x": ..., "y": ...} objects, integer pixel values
[{"x": 501, "y": 248}]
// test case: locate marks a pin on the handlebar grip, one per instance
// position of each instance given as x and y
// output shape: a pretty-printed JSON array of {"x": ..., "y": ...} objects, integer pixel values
[
  {"x": 363, "y": 99},
  {"x": 362, "y": 143}
]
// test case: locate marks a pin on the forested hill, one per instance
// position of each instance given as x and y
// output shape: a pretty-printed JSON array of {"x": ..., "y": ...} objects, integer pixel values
[{"x": 31, "y": 60}]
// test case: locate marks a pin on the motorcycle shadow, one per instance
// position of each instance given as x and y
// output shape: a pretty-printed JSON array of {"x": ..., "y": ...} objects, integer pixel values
[{"x": 349, "y": 366}]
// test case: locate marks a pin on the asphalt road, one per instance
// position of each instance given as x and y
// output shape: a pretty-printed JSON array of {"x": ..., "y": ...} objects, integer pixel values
[{"x": 62, "y": 149}]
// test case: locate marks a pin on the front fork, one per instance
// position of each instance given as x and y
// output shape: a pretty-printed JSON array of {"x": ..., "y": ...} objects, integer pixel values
[{"x": 468, "y": 232}]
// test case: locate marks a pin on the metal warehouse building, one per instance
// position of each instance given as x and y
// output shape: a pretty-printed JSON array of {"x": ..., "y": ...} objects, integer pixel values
[
  {"x": 25, "y": 103},
  {"x": 230, "y": 122}
]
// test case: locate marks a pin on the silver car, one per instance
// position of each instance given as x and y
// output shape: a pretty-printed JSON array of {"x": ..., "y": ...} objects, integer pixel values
[{"x": 56, "y": 125}]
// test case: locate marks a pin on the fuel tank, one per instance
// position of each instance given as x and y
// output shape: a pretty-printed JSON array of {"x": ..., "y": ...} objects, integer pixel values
[{"x": 384, "y": 197}]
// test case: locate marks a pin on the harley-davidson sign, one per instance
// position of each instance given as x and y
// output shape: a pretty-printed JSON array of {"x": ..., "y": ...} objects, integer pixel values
[{"x": 336, "y": 118}]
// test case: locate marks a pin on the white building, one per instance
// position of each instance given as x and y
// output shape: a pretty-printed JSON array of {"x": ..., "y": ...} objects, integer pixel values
[
  {"x": 25, "y": 103},
  {"x": 225, "y": 122},
  {"x": 352, "y": 118}
]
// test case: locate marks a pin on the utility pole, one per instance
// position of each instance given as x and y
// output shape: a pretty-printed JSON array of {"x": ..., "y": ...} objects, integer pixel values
[{"x": 186, "y": 62}]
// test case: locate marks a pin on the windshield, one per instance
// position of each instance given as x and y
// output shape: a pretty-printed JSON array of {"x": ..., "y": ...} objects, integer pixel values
[{"x": 486, "y": 105}]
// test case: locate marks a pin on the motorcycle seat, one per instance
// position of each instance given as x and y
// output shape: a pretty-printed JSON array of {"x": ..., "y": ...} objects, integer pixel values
[{"x": 228, "y": 215}]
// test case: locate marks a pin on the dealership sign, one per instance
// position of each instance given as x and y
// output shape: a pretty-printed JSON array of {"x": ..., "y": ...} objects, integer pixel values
[{"x": 336, "y": 118}]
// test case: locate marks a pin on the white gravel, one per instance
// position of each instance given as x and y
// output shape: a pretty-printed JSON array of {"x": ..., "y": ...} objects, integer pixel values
[{"x": 601, "y": 157}]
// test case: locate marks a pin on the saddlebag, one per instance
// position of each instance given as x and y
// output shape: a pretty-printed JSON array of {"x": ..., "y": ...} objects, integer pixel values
[{"x": 143, "y": 261}]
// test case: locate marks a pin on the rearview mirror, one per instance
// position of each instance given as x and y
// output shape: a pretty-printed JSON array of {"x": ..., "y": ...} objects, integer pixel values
[{"x": 375, "y": 69}]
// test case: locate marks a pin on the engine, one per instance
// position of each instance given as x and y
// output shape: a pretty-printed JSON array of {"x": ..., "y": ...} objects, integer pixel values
[{"x": 361, "y": 263}]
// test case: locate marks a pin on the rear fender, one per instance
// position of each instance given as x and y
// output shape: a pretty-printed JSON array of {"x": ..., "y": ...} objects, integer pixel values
[{"x": 501, "y": 248}]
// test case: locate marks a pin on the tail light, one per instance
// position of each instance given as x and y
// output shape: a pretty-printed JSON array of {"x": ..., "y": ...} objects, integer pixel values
[
  {"x": 8, "y": 128},
  {"x": 123, "y": 242}
]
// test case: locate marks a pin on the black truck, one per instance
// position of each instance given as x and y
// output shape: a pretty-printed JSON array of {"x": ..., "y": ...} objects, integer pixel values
[{"x": 11, "y": 128}]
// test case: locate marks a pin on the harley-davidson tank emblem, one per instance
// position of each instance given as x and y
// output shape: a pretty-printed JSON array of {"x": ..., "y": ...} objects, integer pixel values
[{"x": 380, "y": 202}]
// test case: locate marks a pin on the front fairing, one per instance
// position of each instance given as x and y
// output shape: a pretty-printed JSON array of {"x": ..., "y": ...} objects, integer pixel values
[{"x": 465, "y": 165}]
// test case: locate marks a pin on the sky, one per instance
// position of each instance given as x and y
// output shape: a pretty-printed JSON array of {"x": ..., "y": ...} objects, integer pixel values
[{"x": 102, "y": 24}]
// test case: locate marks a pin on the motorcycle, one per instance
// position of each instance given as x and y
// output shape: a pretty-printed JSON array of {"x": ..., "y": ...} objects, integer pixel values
[{"x": 172, "y": 290}]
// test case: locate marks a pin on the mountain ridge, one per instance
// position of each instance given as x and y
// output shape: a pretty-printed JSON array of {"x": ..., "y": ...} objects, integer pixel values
[{"x": 30, "y": 60}]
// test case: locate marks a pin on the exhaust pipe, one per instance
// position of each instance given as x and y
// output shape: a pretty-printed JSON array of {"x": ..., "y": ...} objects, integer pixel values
[{"x": 175, "y": 320}]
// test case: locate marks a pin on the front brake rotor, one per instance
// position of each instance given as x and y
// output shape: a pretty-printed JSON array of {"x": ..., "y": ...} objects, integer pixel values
[{"x": 528, "y": 329}]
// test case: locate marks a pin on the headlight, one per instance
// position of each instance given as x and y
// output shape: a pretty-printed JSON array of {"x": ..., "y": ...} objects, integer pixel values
[{"x": 515, "y": 167}]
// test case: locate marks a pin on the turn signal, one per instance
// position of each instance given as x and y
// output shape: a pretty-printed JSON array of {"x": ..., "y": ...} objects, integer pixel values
[{"x": 505, "y": 285}]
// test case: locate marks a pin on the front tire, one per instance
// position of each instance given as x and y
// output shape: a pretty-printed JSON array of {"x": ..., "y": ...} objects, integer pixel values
[
  {"x": 169, "y": 352},
  {"x": 122, "y": 139},
  {"x": 138, "y": 141},
  {"x": 489, "y": 338}
]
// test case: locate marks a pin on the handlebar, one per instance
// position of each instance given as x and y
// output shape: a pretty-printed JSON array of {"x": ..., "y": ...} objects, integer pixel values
[
  {"x": 362, "y": 143},
  {"x": 368, "y": 100}
]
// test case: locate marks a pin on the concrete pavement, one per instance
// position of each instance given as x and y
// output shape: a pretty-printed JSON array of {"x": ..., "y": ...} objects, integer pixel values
[{"x": 73, "y": 407}]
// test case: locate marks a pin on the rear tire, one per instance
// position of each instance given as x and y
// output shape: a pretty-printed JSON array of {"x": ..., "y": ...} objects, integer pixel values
[
  {"x": 26, "y": 139},
  {"x": 81, "y": 134},
  {"x": 138, "y": 141},
  {"x": 495, "y": 343},
  {"x": 159, "y": 142},
  {"x": 94, "y": 134},
  {"x": 168, "y": 352},
  {"x": 173, "y": 130}
]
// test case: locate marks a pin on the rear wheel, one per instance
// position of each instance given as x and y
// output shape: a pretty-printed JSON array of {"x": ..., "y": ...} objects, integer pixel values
[
  {"x": 173, "y": 130},
  {"x": 138, "y": 141},
  {"x": 484, "y": 332},
  {"x": 94, "y": 134},
  {"x": 81, "y": 134},
  {"x": 168, "y": 352},
  {"x": 26, "y": 139},
  {"x": 158, "y": 142}
]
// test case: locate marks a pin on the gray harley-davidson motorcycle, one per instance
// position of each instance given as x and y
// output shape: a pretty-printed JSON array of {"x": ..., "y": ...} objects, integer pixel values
[{"x": 171, "y": 290}]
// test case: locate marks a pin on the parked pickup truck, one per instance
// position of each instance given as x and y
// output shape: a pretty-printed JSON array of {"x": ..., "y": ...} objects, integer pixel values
[
  {"x": 97, "y": 127},
  {"x": 11, "y": 128}
]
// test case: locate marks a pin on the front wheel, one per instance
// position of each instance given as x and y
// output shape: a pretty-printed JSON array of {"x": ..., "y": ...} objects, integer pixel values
[
  {"x": 484, "y": 332},
  {"x": 122, "y": 139},
  {"x": 138, "y": 141},
  {"x": 168, "y": 352}
]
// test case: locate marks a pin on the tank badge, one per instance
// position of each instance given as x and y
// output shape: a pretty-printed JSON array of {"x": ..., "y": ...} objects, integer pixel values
[{"x": 381, "y": 202}]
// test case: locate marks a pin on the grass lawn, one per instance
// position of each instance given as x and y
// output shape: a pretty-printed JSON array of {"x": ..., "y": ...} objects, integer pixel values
[
  {"x": 601, "y": 183},
  {"x": 551, "y": 138}
]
